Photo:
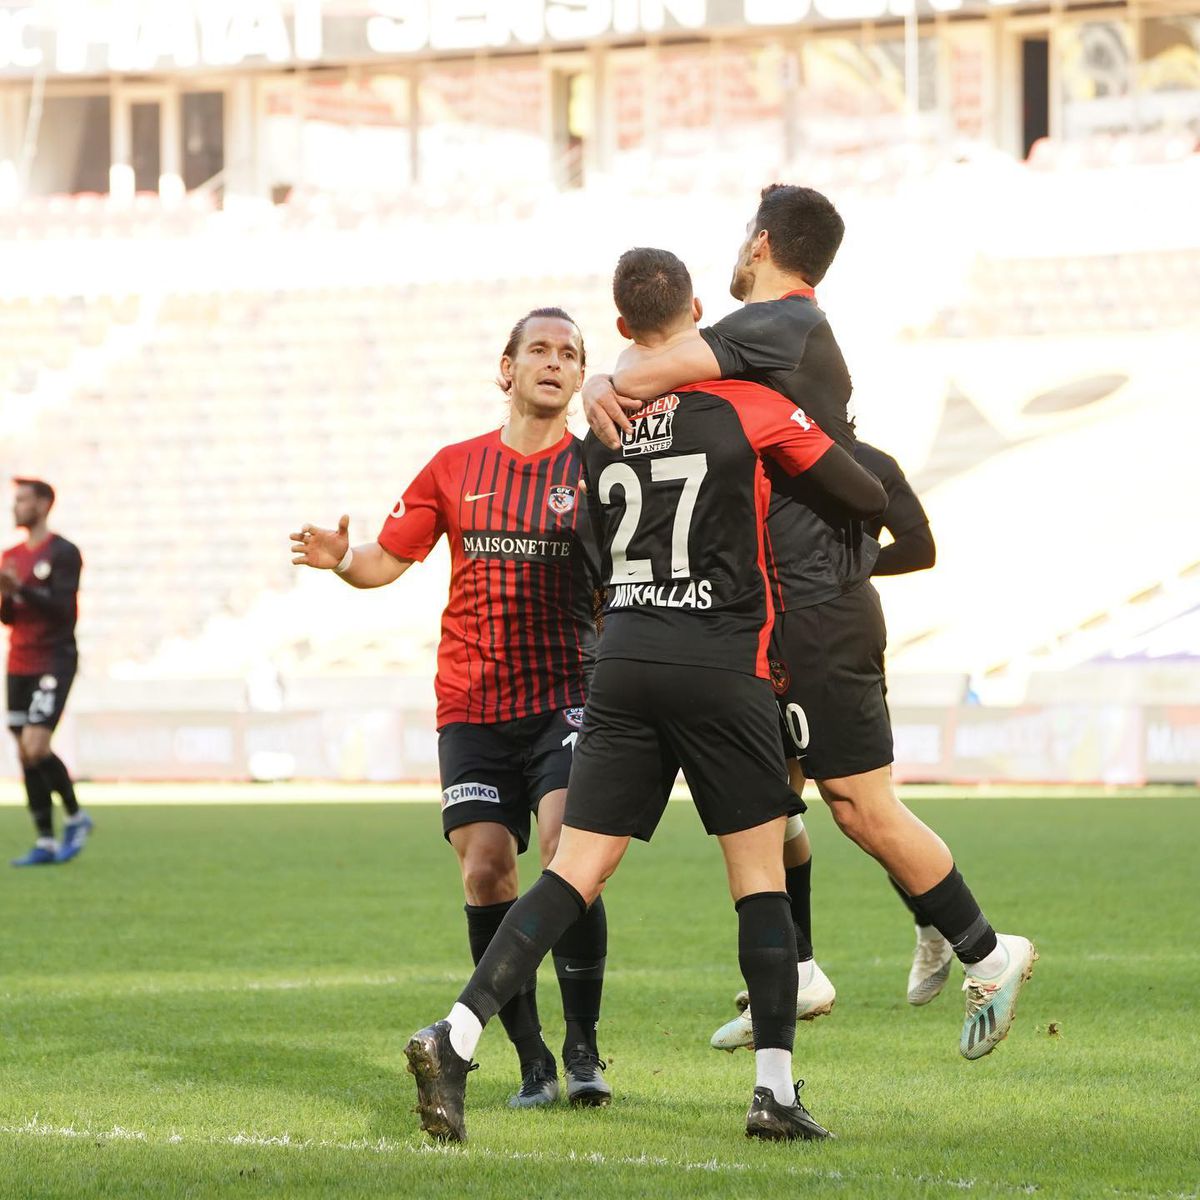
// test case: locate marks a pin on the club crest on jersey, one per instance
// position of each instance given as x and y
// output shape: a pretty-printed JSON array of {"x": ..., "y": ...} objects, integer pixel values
[
  {"x": 41, "y": 570},
  {"x": 47, "y": 683},
  {"x": 780, "y": 676},
  {"x": 574, "y": 717},
  {"x": 561, "y": 499},
  {"x": 651, "y": 427}
]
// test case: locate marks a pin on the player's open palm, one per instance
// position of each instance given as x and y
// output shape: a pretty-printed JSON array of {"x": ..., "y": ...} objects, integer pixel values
[{"x": 322, "y": 548}]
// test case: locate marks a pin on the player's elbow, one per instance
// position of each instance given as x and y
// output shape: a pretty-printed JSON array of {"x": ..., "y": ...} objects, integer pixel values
[
  {"x": 867, "y": 499},
  {"x": 925, "y": 549}
]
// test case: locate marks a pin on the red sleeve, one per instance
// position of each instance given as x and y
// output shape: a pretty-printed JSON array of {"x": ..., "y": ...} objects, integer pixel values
[
  {"x": 413, "y": 527},
  {"x": 773, "y": 424}
]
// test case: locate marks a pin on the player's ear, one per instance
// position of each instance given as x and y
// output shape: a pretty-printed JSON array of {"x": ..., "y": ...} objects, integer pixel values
[
  {"x": 762, "y": 246},
  {"x": 697, "y": 310},
  {"x": 579, "y": 381},
  {"x": 506, "y": 373},
  {"x": 623, "y": 329}
]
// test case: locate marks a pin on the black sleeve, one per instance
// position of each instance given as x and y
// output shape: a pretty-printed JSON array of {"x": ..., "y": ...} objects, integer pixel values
[
  {"x": 837, "y": 474},
  {"x": 57, "y": 597},
  {"x": 760, "y": 337},
  {"x": 6, "y": 611},
  {"x": 912, "y": 547},
  {"x": 913, "y": 550}
]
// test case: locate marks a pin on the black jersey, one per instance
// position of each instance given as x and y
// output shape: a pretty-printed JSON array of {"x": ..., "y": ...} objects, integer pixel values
[
  {"x": 912, "y": 547},
  {"x": 680, "y": 510},
  {"x": 815, "y": 550},
  {"x": 43, "y": 610}
]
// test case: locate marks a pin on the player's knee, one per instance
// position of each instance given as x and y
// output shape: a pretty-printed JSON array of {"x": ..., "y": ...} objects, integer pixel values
[
  {"x": 489, "y": 880},
  {"x": 32, "y": 753}
]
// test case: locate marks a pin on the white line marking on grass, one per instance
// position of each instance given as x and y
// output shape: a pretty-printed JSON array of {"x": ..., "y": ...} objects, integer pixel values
[{"x": 384, "y": 1146}]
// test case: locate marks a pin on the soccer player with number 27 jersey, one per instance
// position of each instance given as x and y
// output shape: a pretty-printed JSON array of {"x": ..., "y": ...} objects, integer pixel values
[
  {"x": 517, "y": 646},
  {"x": 681, "y": 682}
]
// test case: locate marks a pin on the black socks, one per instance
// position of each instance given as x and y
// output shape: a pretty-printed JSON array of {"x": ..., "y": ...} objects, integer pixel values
[
  {"x": 55, "y": 773},
  {"x": 534, "y": 924},
  {"x": 767, "y": 956},
  {"x": 799, "y": 890},
  {"x": 520, "y": 1015},
  {"x": 41, "y": 803},
  {"x": 951, "y": 909},
  {"x": 579, "y": 963}
]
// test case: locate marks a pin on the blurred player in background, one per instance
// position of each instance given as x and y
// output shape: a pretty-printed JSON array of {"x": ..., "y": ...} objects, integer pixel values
[
  {"x": 681, "y": 682},
  {"x": 911, "y": 549},
  {"x": 39, "y": 585},
  {"x": 829, "y": 637},
  {"x": 518, "y": 644}
]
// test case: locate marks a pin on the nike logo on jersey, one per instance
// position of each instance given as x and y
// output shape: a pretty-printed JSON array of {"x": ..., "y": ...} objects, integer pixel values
[{"x": 478, "y": 496}]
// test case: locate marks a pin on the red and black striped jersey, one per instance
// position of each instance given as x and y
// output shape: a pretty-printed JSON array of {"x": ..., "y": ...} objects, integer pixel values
[
  {"x": 517, "y": 633},
  {"x": 680, "y": 511},
  {"x": 43, "y": 611}
]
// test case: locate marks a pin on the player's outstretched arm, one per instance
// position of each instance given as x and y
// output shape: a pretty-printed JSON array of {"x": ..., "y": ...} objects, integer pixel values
[
  {"x": 366, "y": 566},
  {"x": 912, "y": 550}
]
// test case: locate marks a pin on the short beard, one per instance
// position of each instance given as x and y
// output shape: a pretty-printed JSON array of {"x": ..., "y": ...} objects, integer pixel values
[{"x": 742, "y": 284}]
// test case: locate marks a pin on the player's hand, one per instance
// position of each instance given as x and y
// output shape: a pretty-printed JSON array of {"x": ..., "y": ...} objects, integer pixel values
[
  {"x": 605, "y": 410},
  {"x": 321, "y": 548},
  {"x": 9, "y": 583}
]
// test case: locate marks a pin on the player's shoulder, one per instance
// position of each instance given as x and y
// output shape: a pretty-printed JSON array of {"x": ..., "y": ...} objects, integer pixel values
[
  {"x": 62, "y": 546},
  {"x": 794, "y": 311},
  {"x": 741, "y": 393}
]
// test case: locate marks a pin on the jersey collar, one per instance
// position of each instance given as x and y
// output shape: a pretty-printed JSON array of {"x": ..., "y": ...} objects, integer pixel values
[
  {"x": 549, "y": 452},
  {"x": 806, "y": 293}
]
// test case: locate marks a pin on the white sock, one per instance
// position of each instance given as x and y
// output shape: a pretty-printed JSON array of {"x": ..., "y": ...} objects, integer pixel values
[
  {"x": 74, "y": 820},
  {"x": 927, "y": 933},
  {"x": 987, "y": 968},
  {"x": 804, "y": 971},
  {"x": 45, "y": 843},
  {"x": 465, "y": 1031},
  {"x": 773, "y": 1069}
]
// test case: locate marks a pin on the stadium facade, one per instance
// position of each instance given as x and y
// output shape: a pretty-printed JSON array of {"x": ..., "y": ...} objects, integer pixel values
[{"x": 258, "y": 97}]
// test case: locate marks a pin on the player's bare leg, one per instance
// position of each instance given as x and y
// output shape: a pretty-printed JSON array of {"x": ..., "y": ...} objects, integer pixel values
[
  {"x": 487, "y": 859},
  {"x": 868, "y": 811},
  {"x": 579, "y": 959}
]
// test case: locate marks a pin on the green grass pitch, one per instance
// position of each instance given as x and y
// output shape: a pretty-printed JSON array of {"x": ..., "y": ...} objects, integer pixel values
[{"x": 213, "y": 1000}]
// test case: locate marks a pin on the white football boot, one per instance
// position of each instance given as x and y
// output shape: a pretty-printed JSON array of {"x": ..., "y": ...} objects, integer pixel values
[
  {"x": 992, "y": 1002},
  {"x": 932, "y": 960},
  {"x": 814, "y": 999}
]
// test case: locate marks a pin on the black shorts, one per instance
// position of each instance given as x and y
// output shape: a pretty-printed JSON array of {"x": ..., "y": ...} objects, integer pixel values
[
  {"x": 827, "y": 671},
  {"x": 645, "y": 720},
  {"x": 500, "y": 772},
  {"x": 38, "y": 699}
]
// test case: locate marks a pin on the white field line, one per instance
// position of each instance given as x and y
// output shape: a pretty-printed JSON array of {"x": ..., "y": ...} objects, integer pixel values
[{"x": 35, "y": 1128}]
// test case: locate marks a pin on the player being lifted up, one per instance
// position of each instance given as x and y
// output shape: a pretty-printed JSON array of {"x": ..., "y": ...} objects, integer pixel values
[
  {"x": 829, "y": 637},
  {"x": 681, "y": 681},
  {"x": 39, "y": 583},
  {"x": 517, "y": 646}
]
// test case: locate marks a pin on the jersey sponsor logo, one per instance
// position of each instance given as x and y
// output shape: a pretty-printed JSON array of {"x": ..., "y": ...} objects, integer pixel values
[
  {"x": 461, "y": 792},
  {"x": 48, "y": 683},
  {"x": 515, "y": 547},
  {"x": 561, "y": 499},
  {"x": 574, "y": 717},
  {"x": 694, "y": 594},
  {"x": 651, "y": 428},
  {"x": 780, "y": 676},
  {"x": 802, "y": 419},
  {"x": 471, "y": 498},
  {"x": 398, "y": 511},
  {"x": 41, "y": 570}
]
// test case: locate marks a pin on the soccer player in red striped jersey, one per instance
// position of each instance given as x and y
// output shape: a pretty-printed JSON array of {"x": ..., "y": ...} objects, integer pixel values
[
  {"x": 39, "y": 582},
  {"x": 517, "y": 648}
]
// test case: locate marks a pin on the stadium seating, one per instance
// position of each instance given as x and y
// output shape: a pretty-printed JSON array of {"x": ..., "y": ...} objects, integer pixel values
[{"x": 190, "y": 425}]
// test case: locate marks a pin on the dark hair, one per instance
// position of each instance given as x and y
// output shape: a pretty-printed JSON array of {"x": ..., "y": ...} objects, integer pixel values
[
  {"x": 651, "y": 288},
  {"x": 41, "y": 489},
  {"x": 518, "y": 331},
  {"x": 805, "y": 229}
]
